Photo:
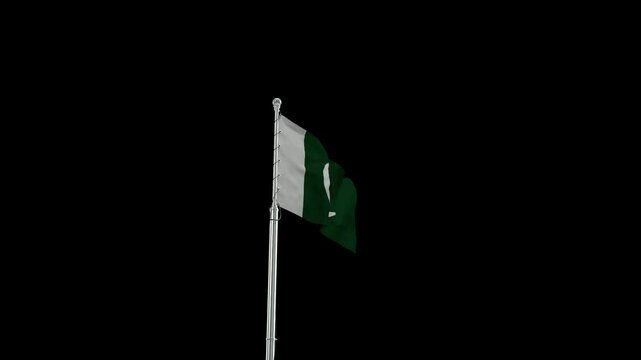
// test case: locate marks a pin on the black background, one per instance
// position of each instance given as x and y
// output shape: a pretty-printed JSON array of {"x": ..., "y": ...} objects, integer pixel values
[{"x": 155, "y": 183}]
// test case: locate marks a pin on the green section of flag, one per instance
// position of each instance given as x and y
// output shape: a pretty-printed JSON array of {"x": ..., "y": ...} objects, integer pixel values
[{"x": 336, "y": 215}]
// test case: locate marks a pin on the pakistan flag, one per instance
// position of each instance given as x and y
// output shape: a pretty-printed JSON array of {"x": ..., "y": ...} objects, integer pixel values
[{"x": 314, "y": 187}]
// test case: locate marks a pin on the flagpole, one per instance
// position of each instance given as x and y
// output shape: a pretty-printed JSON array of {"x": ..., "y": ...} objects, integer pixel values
[{"x": 273, "y": 243}]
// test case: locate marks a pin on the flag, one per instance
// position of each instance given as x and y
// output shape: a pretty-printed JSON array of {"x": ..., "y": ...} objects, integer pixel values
[{"x": 314, "y": 187}]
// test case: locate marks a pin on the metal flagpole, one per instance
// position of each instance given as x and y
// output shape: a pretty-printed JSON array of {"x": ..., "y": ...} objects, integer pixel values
[{"x": 273, "y": 243}]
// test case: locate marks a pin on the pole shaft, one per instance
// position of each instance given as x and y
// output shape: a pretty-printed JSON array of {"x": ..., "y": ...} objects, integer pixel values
[{"x": 273, "y": 244}]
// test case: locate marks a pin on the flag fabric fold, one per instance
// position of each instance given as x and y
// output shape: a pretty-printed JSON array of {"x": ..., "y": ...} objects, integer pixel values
[{"x": 314, "y": 187}]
